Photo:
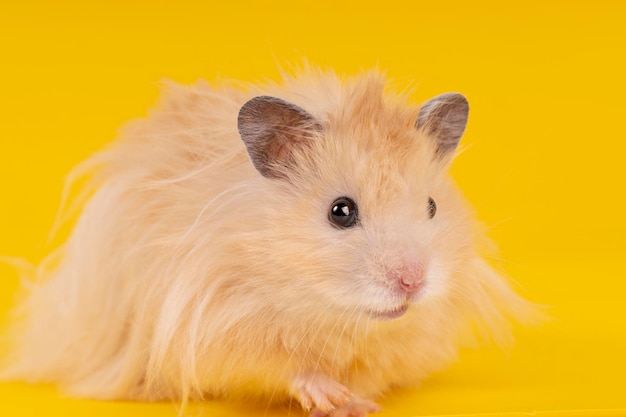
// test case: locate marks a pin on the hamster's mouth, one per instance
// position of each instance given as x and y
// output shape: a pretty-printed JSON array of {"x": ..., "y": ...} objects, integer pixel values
[{"x": 390, "y": 314}]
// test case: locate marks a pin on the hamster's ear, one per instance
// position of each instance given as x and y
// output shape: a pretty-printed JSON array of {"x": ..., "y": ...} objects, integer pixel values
[
  {"x": 272, "y": 129},
  {"x": 444, "y": 118}
]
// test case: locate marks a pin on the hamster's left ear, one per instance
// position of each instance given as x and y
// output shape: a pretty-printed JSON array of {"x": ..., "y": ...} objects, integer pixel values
[{"x": 444, "y": 119}]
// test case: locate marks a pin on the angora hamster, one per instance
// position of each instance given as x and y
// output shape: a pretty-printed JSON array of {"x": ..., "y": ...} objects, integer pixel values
[{"x": 300, "y": 240}]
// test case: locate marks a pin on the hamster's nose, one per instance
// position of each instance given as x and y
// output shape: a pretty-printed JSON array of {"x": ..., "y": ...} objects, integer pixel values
[{"x": 409, "y": 277}]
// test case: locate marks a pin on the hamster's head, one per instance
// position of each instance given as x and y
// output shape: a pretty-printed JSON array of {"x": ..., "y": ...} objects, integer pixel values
[{"x": 366, "y": 220}]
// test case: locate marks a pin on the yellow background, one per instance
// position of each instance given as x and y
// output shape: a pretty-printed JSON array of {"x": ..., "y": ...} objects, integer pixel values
[{"x": 545, "y": 165}]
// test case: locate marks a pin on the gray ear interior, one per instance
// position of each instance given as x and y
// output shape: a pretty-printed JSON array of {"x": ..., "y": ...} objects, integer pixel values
[
  {"x": 272, "y": 129},
  {"x": 444, "y": 118}
]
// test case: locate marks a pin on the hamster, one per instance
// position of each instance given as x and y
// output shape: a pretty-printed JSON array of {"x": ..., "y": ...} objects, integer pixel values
[{"x": 300, "y": 240}]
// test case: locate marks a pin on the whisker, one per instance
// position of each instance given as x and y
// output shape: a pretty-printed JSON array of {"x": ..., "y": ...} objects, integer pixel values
[{"x": 289, "y": 359}]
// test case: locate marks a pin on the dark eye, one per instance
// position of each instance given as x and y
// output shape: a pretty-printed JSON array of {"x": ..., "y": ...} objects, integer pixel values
[
  {"x": 432, "y": 208},
  {"x": 343, "y": 213}
]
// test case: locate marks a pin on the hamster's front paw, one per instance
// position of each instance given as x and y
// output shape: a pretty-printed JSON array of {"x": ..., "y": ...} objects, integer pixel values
[
  {"x": 355, "y": 407},
  {"x": 328, "y": 398},
  {"x": 315, "y": 390}
]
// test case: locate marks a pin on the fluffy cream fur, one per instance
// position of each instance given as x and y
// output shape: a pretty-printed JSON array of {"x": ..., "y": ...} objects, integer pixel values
[{"x": 190, "y": 275}]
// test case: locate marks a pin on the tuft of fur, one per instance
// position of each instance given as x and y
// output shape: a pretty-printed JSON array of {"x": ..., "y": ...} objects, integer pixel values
[{"x": 190, "y": 275}]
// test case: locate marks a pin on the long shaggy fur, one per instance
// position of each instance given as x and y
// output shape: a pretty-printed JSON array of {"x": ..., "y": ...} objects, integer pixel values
[{"x": 190, "y": 275}]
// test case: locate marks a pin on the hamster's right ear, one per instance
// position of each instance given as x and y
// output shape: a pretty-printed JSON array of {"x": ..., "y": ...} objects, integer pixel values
[
  {"x": 272, "y": 129},
  {"x": 444, "y": 118}
]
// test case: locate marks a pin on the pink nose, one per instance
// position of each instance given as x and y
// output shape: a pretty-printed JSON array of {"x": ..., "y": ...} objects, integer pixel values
[{"x": 409, "y": 278}]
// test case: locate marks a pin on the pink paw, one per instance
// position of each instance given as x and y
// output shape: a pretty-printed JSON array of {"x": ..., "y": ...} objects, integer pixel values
[
  {"x": 320, "y": 392},
  {"x": 356, "y": 407},
  {"x": 326, "y": 397}
]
